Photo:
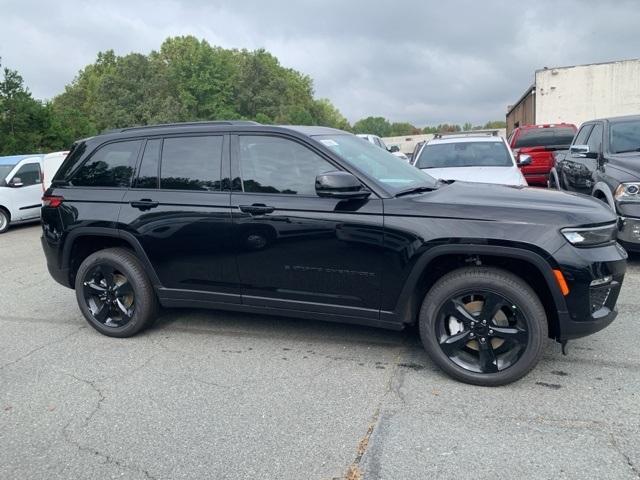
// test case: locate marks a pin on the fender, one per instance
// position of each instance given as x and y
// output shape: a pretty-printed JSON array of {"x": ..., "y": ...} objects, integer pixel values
[
  {"x": 606, "y": 191},
  {"x": 113, "y": 233},
  {"x": 539, "y": 262}
]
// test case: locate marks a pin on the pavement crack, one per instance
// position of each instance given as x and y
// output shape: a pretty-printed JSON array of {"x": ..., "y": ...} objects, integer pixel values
[
  {"x": 626, "y": 458},
  {"x": 41, "y": 347}
]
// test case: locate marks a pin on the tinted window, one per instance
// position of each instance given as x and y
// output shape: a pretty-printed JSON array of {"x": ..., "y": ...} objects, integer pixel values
[
  {"x": 625, "y": 136},
  {"x": 581, "y": 138},
  {"x": 595, "y": 139},
  {"x": 545, "y": 137},
  {"x": 110, "y": 166},
  {"x": 278, "y": 165},
  {"x": 148, "y": 175},
  {"x": 191, "y": 163},
  {"x": 464, "y": 154},
  {"x": 29, "y": 174}
]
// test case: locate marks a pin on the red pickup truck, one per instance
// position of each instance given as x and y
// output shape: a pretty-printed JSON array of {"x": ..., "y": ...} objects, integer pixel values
[{"x": 539, "y": 142}]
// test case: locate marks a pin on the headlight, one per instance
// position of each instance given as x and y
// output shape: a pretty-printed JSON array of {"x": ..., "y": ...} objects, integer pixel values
[
  {"x": 590, "y": 236},
  {"x": 628, "y": 192}
]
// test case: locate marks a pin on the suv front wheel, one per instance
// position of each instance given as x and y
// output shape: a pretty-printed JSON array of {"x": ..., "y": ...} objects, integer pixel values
[
  {"x": 114, "y": 293},
  {"x": 483, "y": 326}
]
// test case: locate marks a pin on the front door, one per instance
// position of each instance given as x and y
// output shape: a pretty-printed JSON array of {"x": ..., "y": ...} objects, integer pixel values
[
  {"x": 296, "y": 250},
  {"x": 26, "y": 194},
  {"x": 178, "y": 212}
]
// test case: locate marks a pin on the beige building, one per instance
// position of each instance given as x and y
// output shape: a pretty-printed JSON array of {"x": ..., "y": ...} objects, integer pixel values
[{"x": 579, "y": 93}]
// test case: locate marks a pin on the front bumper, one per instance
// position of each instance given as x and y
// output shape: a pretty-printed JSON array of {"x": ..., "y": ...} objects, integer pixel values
[
  {"x": 629, "y": 232},
  {"x": 591, "y": 305}
]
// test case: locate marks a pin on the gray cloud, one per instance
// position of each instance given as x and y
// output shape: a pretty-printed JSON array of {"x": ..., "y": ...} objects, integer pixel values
[{"x": 425, "y": 62}]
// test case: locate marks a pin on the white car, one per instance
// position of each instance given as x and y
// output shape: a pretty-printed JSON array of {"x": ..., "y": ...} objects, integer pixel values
[
  {"x": 50, "y": 165},
  {"x": 480, "y": 157},
  {"x": 20, "y": 189},
  {"x": 377, "y": 141}
]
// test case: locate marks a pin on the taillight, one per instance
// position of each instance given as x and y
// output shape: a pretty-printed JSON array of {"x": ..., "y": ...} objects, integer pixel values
[{"x": 52, "y": 201}]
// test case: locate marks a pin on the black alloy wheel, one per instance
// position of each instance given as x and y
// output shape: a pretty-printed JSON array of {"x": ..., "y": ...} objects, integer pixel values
[
  {"x": 109, "y": 296},
  {"x": 483, "y": 325}
]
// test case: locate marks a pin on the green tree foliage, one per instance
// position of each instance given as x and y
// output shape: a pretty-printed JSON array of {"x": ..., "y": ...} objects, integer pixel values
[
  {"x": 403, "y": 128},
  {"x": 373, "y": 125},
  {"x": 24, "y": 121}
]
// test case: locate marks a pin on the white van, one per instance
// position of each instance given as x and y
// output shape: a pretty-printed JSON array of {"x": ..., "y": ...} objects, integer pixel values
[
  {"x": 20, "y": 189},
  {"x": 50, "y": 165}
]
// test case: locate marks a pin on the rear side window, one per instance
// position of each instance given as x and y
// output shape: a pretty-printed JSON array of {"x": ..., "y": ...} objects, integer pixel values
[
  {"x": 110, "y": 166},
  {"x": 150, "y": 166},
  {"x": 191, "y": 163},
  {"x": 545, "y": 137}
]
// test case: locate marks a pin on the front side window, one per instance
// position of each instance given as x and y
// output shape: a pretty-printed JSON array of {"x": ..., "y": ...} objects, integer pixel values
[
  {"x": 625, "y": 136},
  {"x": 464, "y": 154},
  {"x": 110, "y": 166},
  {"x": 191, "y": 163},
  {"x": 595, "y": 139},
  {"x": 581, "y": 138},
  {"x": 279, "y": 165},
  {"x": 29, "y": 174}
]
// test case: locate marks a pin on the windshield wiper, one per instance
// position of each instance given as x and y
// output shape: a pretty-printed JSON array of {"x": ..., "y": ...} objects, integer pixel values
[{"x": 411, "y": 191}]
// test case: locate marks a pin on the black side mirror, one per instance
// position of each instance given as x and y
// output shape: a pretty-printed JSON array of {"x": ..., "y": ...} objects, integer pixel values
[
  {"x": 524, "y": 160},
  {"x": 341, "y": 185},
  {"x": 394, "y": 148}
]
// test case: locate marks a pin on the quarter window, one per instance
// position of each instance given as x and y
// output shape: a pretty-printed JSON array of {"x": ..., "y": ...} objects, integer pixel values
[
  {"x": 29, "y": 174},
  {"x": 191, "y": 163},
  {"x": 110, "y": 166},
  {"x": 278, "y": 165}
]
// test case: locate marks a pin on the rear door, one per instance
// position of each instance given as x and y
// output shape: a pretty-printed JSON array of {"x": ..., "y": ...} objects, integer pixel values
[
  {"x": 177, "y": 211},
  {"x": 296, "y": 250},
  {"x": 26, "y": 191}
]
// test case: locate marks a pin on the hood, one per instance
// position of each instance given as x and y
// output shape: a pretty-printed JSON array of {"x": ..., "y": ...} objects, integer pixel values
[
  {"x": 499, "y": 175},
  {"x": 508, "y": 204},
  {"x": 628, "y": 163}
]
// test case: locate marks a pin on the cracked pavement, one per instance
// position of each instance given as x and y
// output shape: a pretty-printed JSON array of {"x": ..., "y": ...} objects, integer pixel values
[{"x": 229, "y": 396}]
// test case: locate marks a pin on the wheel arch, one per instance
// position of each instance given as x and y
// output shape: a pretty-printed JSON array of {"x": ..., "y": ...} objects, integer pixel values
[
  {"x": 534, "y": 269},
  {"x": 602, "y": 189},
  {"x": 82, "y": 242},
  {"x": 554, "y": 173}
]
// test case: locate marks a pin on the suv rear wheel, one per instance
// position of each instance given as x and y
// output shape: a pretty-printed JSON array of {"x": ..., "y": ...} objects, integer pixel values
[
  {"x": 115, "y": 294},
  {"x": 483, "y": 326}
]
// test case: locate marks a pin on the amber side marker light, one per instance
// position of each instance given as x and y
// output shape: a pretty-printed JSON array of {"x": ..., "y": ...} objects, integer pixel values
[{"x": 562, "y": 283}]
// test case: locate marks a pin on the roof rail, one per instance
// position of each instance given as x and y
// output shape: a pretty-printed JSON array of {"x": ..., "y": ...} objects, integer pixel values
[
  {"x": 468, "y": 133},
  {"x": 188, "y": 124}
]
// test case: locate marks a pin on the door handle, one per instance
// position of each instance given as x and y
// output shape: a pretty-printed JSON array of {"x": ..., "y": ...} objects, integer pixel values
[
  {"x": 256, "y": 209},
  {"x": 144, "y": 204}
]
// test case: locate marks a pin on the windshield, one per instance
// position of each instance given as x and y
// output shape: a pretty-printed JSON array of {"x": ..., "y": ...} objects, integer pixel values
[
  {"x": 625, "y": 137},
  {"x": 395, "y": 174},
  {"x": 4, "y": 170},
  {"x": 464, "y": 154},
  {"x": 545, "y": 137}
]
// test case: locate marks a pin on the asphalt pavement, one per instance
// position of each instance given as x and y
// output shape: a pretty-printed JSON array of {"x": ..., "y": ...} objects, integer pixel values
[{"x": 228, "y": 396}]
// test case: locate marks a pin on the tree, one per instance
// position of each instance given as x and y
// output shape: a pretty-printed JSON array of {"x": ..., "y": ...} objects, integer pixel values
[
  {"x": 402, "y": 128},
  {"x": 373, "y": 125},
  {"x": 495, "y": 124},
  {"x": 467, "y": 126}
]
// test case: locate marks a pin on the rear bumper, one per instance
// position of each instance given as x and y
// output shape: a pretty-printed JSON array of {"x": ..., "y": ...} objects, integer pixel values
[{"x": 60, "y": 275}]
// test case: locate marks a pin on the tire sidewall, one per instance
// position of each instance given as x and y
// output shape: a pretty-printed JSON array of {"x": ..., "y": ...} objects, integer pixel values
[
  {"x": 523, "y": 298},
  {"x": 7, "y": 220},
  {"x": 138, "y": 319}
]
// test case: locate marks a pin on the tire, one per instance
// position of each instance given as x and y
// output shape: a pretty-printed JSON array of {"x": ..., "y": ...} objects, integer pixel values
[
  {"x": 132, "y": 293},
  {"x": 5, "y": 220},
  {"x": 513, "y": 338}
]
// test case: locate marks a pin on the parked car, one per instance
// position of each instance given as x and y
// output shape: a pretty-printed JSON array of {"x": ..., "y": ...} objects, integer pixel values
[
  {"x": 312, "y": 222},
  {"x": 50, "y": 165},
  {"x": 539, "y": 142},
  {"x": 604, "y": 161},
  {"x": 470, "y": 157},
  {"x": 20, "y": 189},
  {"x": 377, "y": 141}
]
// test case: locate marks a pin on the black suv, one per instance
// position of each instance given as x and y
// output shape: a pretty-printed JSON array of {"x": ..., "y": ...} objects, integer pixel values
[
  {"x": 313, "y": 222},
  {"x": 604, "y": 161}
]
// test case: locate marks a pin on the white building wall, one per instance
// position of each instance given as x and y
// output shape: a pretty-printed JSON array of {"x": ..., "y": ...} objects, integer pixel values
[{"x": 581, "y": 93}]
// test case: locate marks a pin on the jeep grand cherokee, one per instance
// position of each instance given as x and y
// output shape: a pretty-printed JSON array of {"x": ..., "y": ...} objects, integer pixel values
[{"x": 312, "y": 222}]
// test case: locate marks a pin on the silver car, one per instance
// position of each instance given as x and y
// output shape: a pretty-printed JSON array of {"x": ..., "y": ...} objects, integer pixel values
[{"x": 472, "y": 157}]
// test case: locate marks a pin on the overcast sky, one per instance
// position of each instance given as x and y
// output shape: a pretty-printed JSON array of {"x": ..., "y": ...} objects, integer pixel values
[{"x": 423, "y": 62}]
